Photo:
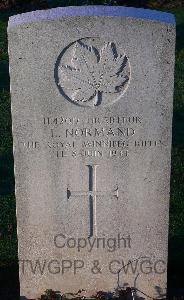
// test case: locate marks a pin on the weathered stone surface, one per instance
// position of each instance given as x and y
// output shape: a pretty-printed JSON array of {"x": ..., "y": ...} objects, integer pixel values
[{"x": 92, "y": 95}]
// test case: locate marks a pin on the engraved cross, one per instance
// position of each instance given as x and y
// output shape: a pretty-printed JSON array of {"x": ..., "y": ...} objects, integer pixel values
[{"x": 92, "y": 194}]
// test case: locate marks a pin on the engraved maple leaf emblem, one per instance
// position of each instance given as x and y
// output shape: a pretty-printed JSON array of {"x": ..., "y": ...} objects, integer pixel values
[{"x": 93, "y": 73}]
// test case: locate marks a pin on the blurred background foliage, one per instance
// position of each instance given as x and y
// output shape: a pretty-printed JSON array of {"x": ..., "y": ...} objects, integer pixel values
[
  {"x": 23, "y": 4},
  {"x": 8, "y": 237}
]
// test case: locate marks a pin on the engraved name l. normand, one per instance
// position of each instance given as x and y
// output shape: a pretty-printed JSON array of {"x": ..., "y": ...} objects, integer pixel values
[{"x": 93, "y": 72}]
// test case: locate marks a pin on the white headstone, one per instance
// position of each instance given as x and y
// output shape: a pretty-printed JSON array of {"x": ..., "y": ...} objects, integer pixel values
[{"x": 92, "y": 92}]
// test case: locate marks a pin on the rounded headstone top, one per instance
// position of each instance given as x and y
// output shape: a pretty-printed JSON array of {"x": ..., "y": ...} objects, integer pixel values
[{"x": 73, "y": 11}]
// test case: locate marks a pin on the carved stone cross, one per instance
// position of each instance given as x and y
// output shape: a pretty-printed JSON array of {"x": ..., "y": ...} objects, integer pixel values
[{"x": 92, "y": 194}]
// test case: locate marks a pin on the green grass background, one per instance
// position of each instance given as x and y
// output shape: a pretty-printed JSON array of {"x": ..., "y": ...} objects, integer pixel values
[{"x": 8, "y": 238}]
